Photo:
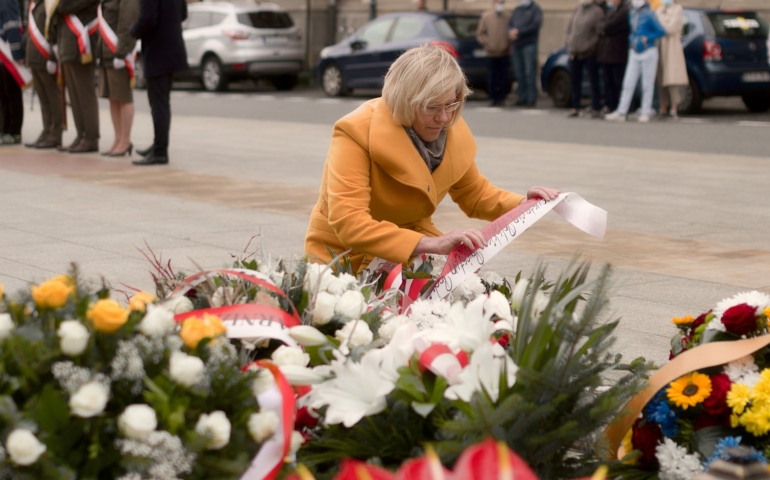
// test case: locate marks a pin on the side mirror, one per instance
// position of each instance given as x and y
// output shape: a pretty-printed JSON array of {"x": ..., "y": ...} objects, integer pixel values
[{"x": 358, "y": 44}]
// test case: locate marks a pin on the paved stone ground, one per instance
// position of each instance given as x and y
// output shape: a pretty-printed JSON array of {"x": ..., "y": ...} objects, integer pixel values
[{"x": 685, "y": 230}]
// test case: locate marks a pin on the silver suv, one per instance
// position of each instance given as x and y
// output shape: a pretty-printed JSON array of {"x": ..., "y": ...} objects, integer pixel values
[{"x": 235, "y": 41}]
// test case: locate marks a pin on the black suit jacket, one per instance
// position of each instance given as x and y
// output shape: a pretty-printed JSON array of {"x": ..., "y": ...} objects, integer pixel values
[
  {"x": 613, "y": 42},
  {"x": 159, "y": 27}
]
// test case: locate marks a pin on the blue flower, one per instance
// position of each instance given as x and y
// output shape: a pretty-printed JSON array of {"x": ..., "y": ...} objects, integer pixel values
[
  {"x": 659, "y": 411},
  {"x": 720, "y": 452}
]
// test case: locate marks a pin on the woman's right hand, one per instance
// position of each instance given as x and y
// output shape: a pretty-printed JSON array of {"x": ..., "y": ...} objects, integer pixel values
[{"x": 444, "y": 244}]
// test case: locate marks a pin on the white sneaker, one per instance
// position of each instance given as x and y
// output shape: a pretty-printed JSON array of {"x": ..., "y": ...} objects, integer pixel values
[
  {"x": 644, "y": 119},
  {"x": 615, "y": 117}
]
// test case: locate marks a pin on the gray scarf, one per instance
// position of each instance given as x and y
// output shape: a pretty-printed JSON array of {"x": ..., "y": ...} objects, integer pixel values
[{"x": 431, "y": 152}]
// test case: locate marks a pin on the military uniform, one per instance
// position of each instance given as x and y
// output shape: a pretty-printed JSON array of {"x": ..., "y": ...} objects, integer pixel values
[
  {"x": 116, "y": 83},
  {"x": 38, "y": 55}
]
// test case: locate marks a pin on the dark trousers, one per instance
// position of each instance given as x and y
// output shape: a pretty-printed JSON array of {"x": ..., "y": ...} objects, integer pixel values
[
  {"x": 82, "y": 92},
  {"x": 159, "y": 95},
  {"x": 613, "y": 84},
  {"x": 50, "y": 105},
  {"x": 525, "y": 70},
  {"x": 576, "y": 66},
  {"x": 10, "y": 103},
  {"x": 497, "y": 79}
]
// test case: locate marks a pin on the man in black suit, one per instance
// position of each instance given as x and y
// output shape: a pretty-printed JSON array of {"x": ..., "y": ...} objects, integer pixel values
[{"x": 159, "y": 27}]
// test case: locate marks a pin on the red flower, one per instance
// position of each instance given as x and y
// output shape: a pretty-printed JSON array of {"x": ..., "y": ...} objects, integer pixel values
[
  {"x": 699, "y": 321},
  {"x": 504, "y": 340},
  {"x": 740, "y": 319},
  {"x": 716, "y": 403},
  {"x": 305, "y": 419},
  {"x": 645, "y": 437}
]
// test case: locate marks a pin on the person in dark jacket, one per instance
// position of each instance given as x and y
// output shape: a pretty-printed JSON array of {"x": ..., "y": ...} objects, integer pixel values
[
  {"x": 10, "y": 91},
  {"x": 582, "y": 38},
  {"x": 523, "y": 31},
  {"x": 159, "y": 27},
  {"x": 42, "y": 61},
  {"x": 612, "y": 51}
]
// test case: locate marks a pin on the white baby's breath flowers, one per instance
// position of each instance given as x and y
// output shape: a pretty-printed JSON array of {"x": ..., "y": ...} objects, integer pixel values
[
  {"x": 307, "y": 336},
  {"x": 262, "y": 425},
  {"x": 6, "y": 325},
  {"x": 158, "y": 321},
  {"x": 178, "y": 304},
  {"x": 353, "y": 334},
  {"x": 286, "y": 355},
  {"x": 137, "y": 421},
  {"x": 23, "y": 447},
  {"x": 323, "y": 308},
  {"x": 186, "y": 370},
  {"x": 73, "y": 337},
  {"x": 216, "y": 427},
  {"x": 351, "y": 304},
  {"x": 90, "y": 400}
]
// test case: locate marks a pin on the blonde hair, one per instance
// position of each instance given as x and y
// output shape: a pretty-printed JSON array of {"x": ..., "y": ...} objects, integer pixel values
[{"x": 420, "y": 76}]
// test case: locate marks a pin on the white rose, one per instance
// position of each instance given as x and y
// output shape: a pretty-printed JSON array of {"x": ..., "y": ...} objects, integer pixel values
[
  {"x": 73, "y": 337},
  {"x": 186, "y": 370},
  {"x": 389, "y": 327},
  {"x": 264, "y": 382},
  {"x": 262, "y": 425},
  {"x": 307, "y": 336},
  {"x": 353, "y": 334},
  {"x": 216, "y": 427},
  {"x": 323, "y": 308},
  {"x": 158, "y": 321},
  {"x": 6, "y": 325},
  {"x": 341, "y": 283},
  {"x": 285, "y": 355},
  {"x": 351, "y": 304},
  {"x": 178, "y": 304},
  {"x": 318, "y": 277},
  {"x": 90, "y": 400},
  {"x": 23, "y": 447},
  {"x": 137, "y": 420}
]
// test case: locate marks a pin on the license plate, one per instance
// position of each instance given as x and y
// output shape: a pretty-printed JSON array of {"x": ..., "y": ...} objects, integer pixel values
[
  {"x": 480, "y": 53},
  {"x": 277, "y": 40},
  {"x": 753, "y": 77}
]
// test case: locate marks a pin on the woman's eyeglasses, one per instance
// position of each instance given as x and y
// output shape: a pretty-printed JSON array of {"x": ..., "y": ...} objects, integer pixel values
[{"x": 433, "y": 110}]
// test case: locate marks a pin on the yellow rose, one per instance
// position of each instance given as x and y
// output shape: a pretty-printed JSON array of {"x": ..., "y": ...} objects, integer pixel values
[
  {"x": 195, "y": 329},
  {"x": 2, "y": 290},
  {"x": 52, "y": 293},
  {"x": 139, "y": 301},
  {"x": 107, "y": 315}
]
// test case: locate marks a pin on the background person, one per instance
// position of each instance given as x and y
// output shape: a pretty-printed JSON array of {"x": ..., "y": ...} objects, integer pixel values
[
  {"x": 393, "y": 160},
  {"x": 115, "y": 49},
  {"x": 523, "y": 31},
  {"x": 612, "y": 51},
  {"x": 672, "y": 70},
  {"x": 492, "y": 34},
  {"x": 642, "y": 61},
  {"x": 582, "y": 39},
  {"x": 11, "y": 103},
  {"x": 160, "y": 28}
]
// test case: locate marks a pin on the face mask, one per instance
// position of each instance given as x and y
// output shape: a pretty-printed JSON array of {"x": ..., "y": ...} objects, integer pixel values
[
  {"x": 499, "y": 7},
  {"x": 667, "y": 2},
  {"x": 610, "y": 5},
  {"x": 524, "y": 3},
  {"x": 637, "y": 4}
]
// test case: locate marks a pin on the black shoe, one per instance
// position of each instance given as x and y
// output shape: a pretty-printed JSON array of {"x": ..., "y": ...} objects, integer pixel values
[
  {"x": 69, "y": 147},
  {"x": 47, "y": 144},
  {"x": 145, "y": 151},
  {"x": 151, "y": 160},
  {"x": 519, "y": 103},
  {"x": 124, "y": 152}
]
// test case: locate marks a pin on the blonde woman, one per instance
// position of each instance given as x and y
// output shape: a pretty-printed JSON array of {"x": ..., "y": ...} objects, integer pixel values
[
  {"x": 672, "y": 71},
  {"x": 392, "y": 161}
]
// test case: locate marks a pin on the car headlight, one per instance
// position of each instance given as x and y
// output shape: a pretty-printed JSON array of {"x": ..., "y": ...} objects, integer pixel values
[{"x": 325, "y": 52}]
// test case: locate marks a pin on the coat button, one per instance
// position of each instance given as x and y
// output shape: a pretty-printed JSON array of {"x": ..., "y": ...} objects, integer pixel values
[{"x": 429, "y": 188}]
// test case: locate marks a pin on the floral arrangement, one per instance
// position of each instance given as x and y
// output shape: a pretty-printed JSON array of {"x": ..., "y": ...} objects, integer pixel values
[{"x": 692, "y": 421}]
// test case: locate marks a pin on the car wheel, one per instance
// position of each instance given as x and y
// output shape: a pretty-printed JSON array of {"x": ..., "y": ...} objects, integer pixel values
[
  {"x": 284, "y": 82},
  {"x": 332, "y": 82},
  {"x": 691, "y": 99},
  {"x": 212, "y": 75},
  {"x": 139, "y": 81},
  {"x": 756, "y": 103},
  {"x": 560, "y": 89}
]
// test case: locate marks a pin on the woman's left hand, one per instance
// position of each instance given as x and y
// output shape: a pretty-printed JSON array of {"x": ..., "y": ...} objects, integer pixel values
[{"x": 546, "y": 193}]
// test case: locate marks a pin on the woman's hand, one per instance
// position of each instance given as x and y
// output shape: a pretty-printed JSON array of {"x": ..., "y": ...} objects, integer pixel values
[
  {"x": 443, "y": 245},
  {"x": 546, "y": 193}
]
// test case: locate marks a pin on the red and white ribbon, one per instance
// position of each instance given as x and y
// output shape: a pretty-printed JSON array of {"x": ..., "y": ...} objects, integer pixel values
[
  {"x": 462, "y": 262},
  {"x": 83, "y": 34},
  {"x": 21, "y": 74},
  {"x": 110, "y": 39},
  {"x": 442, "y": 361},
  {"x": 37, "y": 37},
  {"x": 279, "y": 399}
]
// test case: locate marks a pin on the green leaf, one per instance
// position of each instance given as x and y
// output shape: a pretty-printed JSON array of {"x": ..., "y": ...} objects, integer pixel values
[{"x": 52, "y": 412}]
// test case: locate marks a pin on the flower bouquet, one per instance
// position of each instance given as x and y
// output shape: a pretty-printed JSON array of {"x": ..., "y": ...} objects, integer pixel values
[{"x": 719, "y": 399}]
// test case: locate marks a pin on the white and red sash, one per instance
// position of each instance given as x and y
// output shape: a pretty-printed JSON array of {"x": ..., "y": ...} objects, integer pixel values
[
  {"x": 38, "y": 39},
  {"x": 111, "y": 40},
  {"x": 21, "y": 74},
  {"x": 83, "y": 34}
]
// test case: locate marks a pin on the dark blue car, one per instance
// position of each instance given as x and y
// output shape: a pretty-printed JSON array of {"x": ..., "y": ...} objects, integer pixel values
[
  {"x": 361, "y": 60},
  {"x": 726, "y": 54}
]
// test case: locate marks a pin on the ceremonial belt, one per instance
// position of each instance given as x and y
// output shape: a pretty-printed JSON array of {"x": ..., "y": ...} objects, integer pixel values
[
  {"x": 37, "y": 36},
  {"x": 111, "y": 40},
  {"x": 83, "y": 34},
  {"x": 22, "y": 75}
]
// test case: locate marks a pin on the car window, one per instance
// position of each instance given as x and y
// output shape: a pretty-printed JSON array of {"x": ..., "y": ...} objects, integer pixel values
[
  {"x": 217, "y": 18},
  {"x": 738, "y": 25},
  {"x": 266, "y": 19},
  {"x": 407, "y": 28},
  {"x": 461, "y": 26},
  {"x": 376, "y": 32},
  {"x": 197, "y": 20}
]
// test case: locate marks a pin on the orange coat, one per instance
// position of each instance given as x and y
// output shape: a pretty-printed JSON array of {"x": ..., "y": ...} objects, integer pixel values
[{"x": 377, "y": 194}]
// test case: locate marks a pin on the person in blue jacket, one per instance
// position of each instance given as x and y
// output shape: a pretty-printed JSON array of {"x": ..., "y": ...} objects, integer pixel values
[{"x": 642, "y": 61}]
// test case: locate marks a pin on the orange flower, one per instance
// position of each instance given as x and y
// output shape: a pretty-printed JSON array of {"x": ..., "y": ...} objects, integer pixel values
[
  {"x": 107, "y": 315},
  {"x": 195, "y": 329},
  {"x": 139, "y": 301},
  {"x": 682, "y": 320},
  {"x": 54, "y": 292}
]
